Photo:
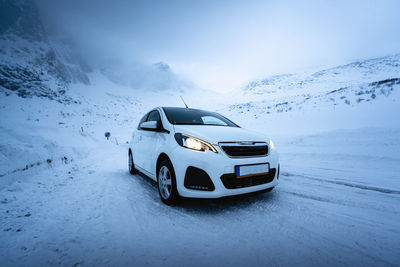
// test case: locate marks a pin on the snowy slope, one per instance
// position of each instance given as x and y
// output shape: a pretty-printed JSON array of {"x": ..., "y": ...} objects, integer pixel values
[
  {"x": 353, "y": 74},
  {"x": 356, "y": 95}
]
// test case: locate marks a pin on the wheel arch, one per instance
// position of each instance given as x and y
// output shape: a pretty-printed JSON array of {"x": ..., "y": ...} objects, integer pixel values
[
  {"x": 175, "y": 197},
  {"x": 160, "y": 158}
]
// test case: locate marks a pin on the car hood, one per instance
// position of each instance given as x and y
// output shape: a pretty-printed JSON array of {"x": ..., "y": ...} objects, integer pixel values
[{"x": 216, "y": 134}]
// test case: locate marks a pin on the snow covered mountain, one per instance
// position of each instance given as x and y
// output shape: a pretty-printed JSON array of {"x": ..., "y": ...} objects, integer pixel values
[
  {"x": 358, "y": 94},
  {"x": 31, "y": 64},
  {"x": 352, "y": 74},
  {"x": 144, "y": 77},
  {"x": 351, "y": 84}
]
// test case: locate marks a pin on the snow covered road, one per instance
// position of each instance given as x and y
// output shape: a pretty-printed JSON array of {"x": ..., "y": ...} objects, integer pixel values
[{"x": 90, "y": 211}]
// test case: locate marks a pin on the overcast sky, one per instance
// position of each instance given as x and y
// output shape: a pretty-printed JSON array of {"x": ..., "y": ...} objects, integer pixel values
[{"x": 221, "y": 45}]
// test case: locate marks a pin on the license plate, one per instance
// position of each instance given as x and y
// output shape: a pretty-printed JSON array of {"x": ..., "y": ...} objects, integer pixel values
[{"x": 251, "y": 170}]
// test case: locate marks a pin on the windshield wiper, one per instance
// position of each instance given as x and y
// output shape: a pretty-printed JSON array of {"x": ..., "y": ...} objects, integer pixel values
[
  {"x": 187, "y": 123},
  {"x": 191, "y": 123}
]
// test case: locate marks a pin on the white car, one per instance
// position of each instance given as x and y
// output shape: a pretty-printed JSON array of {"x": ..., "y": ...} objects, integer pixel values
[{"x": 201, "y": 154}]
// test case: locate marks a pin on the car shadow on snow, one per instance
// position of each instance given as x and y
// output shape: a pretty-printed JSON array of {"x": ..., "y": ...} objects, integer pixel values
[
  {"x": 230, "y": 203},
  {"x": 263, "y": 200}
]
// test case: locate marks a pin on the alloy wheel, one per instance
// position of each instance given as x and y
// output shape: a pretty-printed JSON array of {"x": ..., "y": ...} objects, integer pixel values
[{"x": 165, "y": 182}]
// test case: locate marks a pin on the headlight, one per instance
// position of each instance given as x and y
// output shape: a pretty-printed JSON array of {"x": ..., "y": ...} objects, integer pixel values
[
  {"x": 271, "y": 145},
  {"x": 194, "y": 143}
]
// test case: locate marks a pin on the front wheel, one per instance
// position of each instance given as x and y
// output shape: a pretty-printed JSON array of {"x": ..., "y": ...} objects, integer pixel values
[{"x": 167, "y": 183}]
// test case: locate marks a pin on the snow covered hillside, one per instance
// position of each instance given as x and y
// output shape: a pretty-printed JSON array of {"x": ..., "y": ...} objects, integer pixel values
[
  {"x": 66, "y": 197},
  {"x": 356, "y": 95},
  {"x": 30, "y": 63}
]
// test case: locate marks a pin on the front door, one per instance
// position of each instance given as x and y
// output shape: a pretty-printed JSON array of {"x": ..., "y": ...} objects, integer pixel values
[{"x": 150, "y": 142}]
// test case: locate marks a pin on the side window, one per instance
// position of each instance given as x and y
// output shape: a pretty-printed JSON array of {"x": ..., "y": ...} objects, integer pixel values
[{"x": 142, "y": 120}]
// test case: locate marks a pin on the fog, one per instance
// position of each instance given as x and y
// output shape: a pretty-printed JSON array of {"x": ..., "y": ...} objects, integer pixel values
[{"x": 222, "y": 45}]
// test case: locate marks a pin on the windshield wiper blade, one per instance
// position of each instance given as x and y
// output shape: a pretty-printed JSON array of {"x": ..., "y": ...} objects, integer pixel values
[{"x": 187, "y": 123}]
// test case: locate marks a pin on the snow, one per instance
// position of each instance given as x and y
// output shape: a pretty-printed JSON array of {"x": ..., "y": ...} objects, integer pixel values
[
  {"x": 92, "y": 212},
  {"x": 66, "y": 197}
]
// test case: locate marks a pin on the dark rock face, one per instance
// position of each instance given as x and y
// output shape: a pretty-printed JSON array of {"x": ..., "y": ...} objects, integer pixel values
[
  {"x": 30, "y": 65},
  {"x": 21, "y": 18}
]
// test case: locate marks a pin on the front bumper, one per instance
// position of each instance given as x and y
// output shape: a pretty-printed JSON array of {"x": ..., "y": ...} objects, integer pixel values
[{"x": 216, "y": 165}]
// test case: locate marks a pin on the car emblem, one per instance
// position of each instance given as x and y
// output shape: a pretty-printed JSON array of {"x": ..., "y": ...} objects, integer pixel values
[{"x": 245, "y": 143}]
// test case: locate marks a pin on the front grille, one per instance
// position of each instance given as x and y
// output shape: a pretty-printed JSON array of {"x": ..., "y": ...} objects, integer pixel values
[
  {"x": 245, "y": 151},
  {"x": 230, "y": 180}
]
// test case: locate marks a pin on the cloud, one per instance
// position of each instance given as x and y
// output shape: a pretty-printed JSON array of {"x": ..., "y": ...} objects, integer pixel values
[{"x": 222, "y": 44}]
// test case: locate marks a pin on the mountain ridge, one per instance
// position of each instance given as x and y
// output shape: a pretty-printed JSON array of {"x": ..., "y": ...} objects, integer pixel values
[
  {"x": 31, "y": 63},
  {"x": 371, "y": 70}
]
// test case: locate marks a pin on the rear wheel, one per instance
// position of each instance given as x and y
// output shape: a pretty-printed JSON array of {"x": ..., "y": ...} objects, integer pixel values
[
  {"x": 166, "y": 183},
  {"x": 131, "y": 164}
]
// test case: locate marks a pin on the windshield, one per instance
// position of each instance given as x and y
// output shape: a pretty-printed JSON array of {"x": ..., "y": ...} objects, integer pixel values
[{"x": 188, "y": 116}]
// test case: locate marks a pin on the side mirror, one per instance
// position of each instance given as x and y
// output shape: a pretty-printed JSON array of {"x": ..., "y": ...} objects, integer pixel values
[{"x": 149, "y": 125}]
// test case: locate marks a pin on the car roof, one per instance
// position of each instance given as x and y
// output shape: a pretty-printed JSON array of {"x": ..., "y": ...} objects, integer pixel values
[{"x": 182, "y": 108}]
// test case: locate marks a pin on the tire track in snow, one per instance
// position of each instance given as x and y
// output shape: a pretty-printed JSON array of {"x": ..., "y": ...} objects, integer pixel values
[{"x": 359, "y": 186}]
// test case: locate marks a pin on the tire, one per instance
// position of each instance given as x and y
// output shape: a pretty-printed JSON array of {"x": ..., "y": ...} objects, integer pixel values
[
  {"x": 131, "y": 164},
  {"x": 166, "y": 183}
]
